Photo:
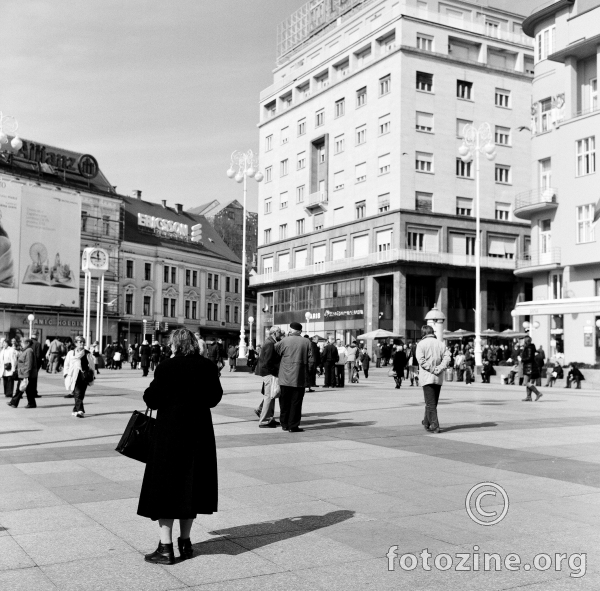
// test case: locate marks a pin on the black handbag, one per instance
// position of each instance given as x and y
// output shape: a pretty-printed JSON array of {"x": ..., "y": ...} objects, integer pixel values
[
  {"x": 137, "y": 438},
  {"x": 7, "y": 366}
]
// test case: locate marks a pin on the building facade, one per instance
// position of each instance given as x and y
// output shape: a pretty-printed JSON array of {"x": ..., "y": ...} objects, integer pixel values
[
  {"x": 366, "y": 214},
  {"x": 176, "y": 274},
  {"x": 563, "y": 201}
]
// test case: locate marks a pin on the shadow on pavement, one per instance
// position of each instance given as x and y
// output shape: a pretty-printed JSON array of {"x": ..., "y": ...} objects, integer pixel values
[
  {"x": 469, "y": 426},
  {"x": 22, "y": 431}
]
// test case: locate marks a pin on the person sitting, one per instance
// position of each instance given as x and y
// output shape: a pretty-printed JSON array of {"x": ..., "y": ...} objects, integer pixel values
[
  {"x": 486, "y": 372},
  {"x": 554, "y": 372},
  {"x": 574, "y": 375}
]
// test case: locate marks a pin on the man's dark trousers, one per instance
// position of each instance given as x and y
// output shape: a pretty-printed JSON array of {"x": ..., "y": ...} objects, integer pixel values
[
  {"x": 329, "y": 374},
  {"x": 290, "y": 407},
  {"x": 432, "y": 395},
  {"x": 339, "y": 374}
]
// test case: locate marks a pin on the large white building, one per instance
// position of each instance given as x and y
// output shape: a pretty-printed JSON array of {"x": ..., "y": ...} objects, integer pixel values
[
  {"x": 366, "y": 215},
  {"x": 564, "y": 198}
]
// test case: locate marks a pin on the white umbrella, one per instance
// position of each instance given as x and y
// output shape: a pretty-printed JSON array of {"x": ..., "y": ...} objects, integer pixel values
[{"x": 378, "y": 334}]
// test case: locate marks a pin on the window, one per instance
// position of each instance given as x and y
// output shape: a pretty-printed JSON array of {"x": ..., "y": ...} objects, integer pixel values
[
  {"x": 492, "y": 28},
  {"x": 360, "y": 209},
  {"x": 318, "y": 221},
  {"x": 502, "y": 98},
  {"x": 424, "y": 121},
  {"x": 502, "y": 135},
  {"x": 594, "y": 94},
  {"x": 319, "y": 118},
  {"x": 384, "y": 164},
  {"x": 383, "y": 202},
  {"x": 361, "y": 97},
  {"x": 302, "y": 127},
  {"x": 267, "y": 236},
  {"x": 300, "y": 194},
  {"x": 173, "y": 275},
  {"x": 340, "y": 108},
  {"x": 147, "y": 305},
  {"x": 227, "y": 284},
  {"x": 269, "y": 143},
  {"x": 463, "y": 169},
  {"x": 502, "y": 247},
  {"x": 301, "y": 161},
  {"x": 282, "y": 231},
  {"x": 271, "y": 109},
  {"x": 361, "y": 172},
  {"x": 227, "y": 307},
  {"x": 415, "y": 240},
  {"x": 361, "y": 135},
  {"x": 460, "y": 127},
  {"x": 424, "y": 162},
  {"x": 423, "y": 201},
  {"x": 502, "y": 173},
  {"x": 384, "y": 125},
  {"x": 322, "y": 81},
  {"x": 339, "y": 143},
  {"x": 300, "y": 227},
  {"x": 128, "y": 303},
  {"x": 166, "y": 307},
  {"x": 268, "y": 265},
  {"x": 129, "y": 269},
  {"x": 209, "y": 311},
  {"x": 464, "y": 206},
  {"x": 422, "y": 239},
  {"x": 283, "y": 200},
  {"x": 186, "y": 309},
  {"x": 106, "y": 225},
  {"x": 338, "y": 180},
  {"x": 283, "y": 167},
  {"x": 557, "y": 286},
  {"x": 586, "y": 156},
  {"x": 363, "y": 56},
  {"x": 209, "y": 281},
  {"x": 236, "y": 313},
  {"x": 385, "y": 85},
  {"x": 194, "y": 278},
  {"x": 216, "y": 281},
  {"x": 285, "y": 135},
  {"x": 464, "y": 90},
  {"x": 166, "y": 274},
  {"x": 188, "y": 277},
  {"x": 384, "y": 244},
  {"x": 321, "y": 155},
  {"x": 585, "y": 217},
  {"x": 546, "y": 114},
  {"x": 462, "y": 244},
  {"x": 338, "y": 250},
  {"x": 424, "y": 82},
  {"x": 268, "y": 202},
  {"x": 544, "y": 43},
  {"x": 424, "y": 42},
  {"x": 502, "y": 211},
  {"x": 216, "y": 312},
  {"x": 147, "y": 271},
  {"x": 84, "y": 218},
  {"x": 236, "y": 286},
  {"x": 268, "y": 174}
]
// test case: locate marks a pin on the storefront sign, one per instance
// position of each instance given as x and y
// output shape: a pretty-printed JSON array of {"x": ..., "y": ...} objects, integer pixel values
[
  {"x": 344, "y": 313},
  {"x": 323, "y": 315},
  {"x": 163, "y": 225},
  {"x": 54, "y": 321}
]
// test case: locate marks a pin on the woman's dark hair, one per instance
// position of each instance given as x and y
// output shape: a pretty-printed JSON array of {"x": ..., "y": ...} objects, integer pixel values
[
  {"x": 184, "y": 342},
  {"x": 426, "y": 330},
  {"x": 527, "y": 341}
]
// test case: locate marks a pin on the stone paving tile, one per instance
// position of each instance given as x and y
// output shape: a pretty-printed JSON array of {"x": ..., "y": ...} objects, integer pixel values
[
  {"x": 28, "y": 498},
  {"x": 26, "y": 579},
  {"x": 62, "y": 479},
  {"x": 51, "y": 467},
  {"x": 280, "y": 474},
  {"x": 274, "y": 494},
  {"x": 325, "y": 488},
  {"x": 61, "y": 517},
  {"x": 274, "y": 582},
  {"x": 101, "y": 491},
  {"x": 12, "y": 556}
]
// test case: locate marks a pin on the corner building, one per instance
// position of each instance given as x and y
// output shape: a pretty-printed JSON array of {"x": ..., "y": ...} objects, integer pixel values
[
  {"x": 366, "y": 214},
  {"x": 563, "y": 200}
]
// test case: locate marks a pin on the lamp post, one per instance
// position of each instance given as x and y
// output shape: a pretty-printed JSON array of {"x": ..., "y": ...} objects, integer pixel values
[
  {"x": 250, "y": 322},
  {"x": 244, "y": 165},
  {"x": 475, "y": 141},
  {"x": 308, "y": 316},
  {"x": 31, "y": 318},
  {"x": 10, "y": 125},
  {"x": 144, "y": 322}
]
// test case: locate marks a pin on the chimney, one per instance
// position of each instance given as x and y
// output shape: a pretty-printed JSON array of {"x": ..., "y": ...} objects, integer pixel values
[
  {"x": 179, "y": 207},
  {"x": 164, "y": 203},
  {"x": 136, "y": 194}
]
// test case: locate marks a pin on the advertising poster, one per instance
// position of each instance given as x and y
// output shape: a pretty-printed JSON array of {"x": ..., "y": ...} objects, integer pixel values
[{"x": 39, "y": 256}]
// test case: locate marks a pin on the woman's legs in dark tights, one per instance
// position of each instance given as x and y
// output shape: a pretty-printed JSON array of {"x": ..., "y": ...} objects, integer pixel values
[{"x": 166, "y": 529}]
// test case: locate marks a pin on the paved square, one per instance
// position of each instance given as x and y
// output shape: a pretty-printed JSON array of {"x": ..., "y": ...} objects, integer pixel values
[{"x": 317, "y": 510}]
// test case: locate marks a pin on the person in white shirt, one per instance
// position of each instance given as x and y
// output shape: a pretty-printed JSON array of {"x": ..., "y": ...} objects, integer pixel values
[
  {"x": 340, "y": 364},
  {"x": 351, "y": 354},
  {"x": 8, "y": 366}
]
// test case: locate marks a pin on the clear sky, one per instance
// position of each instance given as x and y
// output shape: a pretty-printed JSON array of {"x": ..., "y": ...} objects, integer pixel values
[{"x": 159, "y": 92}]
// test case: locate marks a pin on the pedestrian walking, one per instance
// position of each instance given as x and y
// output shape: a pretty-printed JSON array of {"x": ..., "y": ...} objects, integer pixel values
[
  {"x": 398, "y": 364},
  {"x": 329, "y": 358},
  {"x": 530, "y": 370},
  {"x": 78, "y": 373},
  {"x": 365, "y": 361},
  {"x": 296, "y": 355},
  {"x": 340, "y": 364},
  {"x": 25, "y": 367},
  {"x": 145, "y": 354},
  {"x": 469, "y": 366},
  {"x": 433, "y": 358},
  {"x": 54, "y": 352},
  {"x": 135, "y": 355},
  {"x": 232, "y": 355},
  {"x": 180, "y": 480},
  {"x": 313, "y": 366},
  {"x": 96, "y": 355},
  {"x": 351, "y": 355},
  {"x": 413, "y": 366},
  {"x": 268, "y": 368},
  {"x": 8, "y": 367},
  {"x": 214, "y": 354}
]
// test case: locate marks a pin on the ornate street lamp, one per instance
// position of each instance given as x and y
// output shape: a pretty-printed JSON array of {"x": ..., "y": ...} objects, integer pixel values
[
  {"x": 477, "y": 140},
  {"x": 244, "y": 165},
  {"x": 250, "y": 322},
  {"x": 31, "y": 318},
  {"x": 10, "y": 125}
]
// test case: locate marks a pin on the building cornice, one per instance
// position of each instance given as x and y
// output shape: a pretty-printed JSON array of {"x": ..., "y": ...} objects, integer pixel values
[{"x": 531, "y": 22}]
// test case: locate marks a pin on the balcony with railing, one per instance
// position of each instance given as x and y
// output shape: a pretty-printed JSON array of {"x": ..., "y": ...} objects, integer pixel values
[
  {"x": 317, "y": 202},
  {"x": 532, "y": 202},
  {"x": 379, "y": 258},
  {"x": 537, "y": 260}
]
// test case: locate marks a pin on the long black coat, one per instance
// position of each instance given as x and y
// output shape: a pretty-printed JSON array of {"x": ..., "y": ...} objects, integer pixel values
[
  {"x": 145, "y": 355},
  {"x": 180, "y": 480}
]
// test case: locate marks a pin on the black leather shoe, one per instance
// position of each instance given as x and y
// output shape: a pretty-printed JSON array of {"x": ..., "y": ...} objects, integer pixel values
[
  {"x": 162, "y": 555},
  {"x": 37, "y": 396},
  {"x": 424, "y": 425},
  {"x": 296, "y": 430},
  {"x": 284, "y": 429},
  {"x": 11, "y": 404},
  {"x": 270, "y": 425},
  {"x": 436, "y": 430},
  {"x": 68, "y": 396},
  {"x": 257, "y": 413},
  {"x": 528, "y": 399},
  {"x": 31, "y": 406},
  {"x": 185, "y": 548}
]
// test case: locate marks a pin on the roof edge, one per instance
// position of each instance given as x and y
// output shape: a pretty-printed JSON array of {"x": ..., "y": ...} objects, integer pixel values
[{"x": 533, "y": 19}]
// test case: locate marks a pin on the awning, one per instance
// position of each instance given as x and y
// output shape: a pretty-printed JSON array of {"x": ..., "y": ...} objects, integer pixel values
[{"x": 557, "y": 307}]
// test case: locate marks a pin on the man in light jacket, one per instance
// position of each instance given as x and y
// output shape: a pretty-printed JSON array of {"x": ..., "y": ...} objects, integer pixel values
[
  {"x": 351, "y": 353},
  {"x": 296, "y": 354},
  {"x": 268, "y": 368},
  {"x": 433, "y": 358},
  {"x": 340, "y": 364},
  {"x": 25, "y": 367}
]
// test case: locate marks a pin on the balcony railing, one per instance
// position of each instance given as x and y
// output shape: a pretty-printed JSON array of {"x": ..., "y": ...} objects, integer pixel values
[
  {"x": 317, "y": 198},
  {"x": 387, "y": 256},
  {"x": 535, "y": 200},
  {"x": 539, "y": 259}
]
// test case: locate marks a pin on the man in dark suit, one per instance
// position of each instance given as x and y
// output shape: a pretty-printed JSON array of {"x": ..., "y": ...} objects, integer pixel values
[
  {"x": 36, "y": 347},
  {"x": 296, "y": 355},
  {"x": 268, "y": 368},
  {"x": 329, "y": 358}
]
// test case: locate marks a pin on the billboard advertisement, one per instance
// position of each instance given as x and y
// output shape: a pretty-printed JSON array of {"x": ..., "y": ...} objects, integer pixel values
[{"x": 39, "y": 246}]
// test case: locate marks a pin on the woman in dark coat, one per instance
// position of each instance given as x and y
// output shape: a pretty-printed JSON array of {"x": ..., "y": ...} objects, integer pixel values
[
  {"x": 145, "y": 357},
  {"x": 180, "y": 480},
  {"x": 530, "y": 369},
  {"x": 399, "y": 363}
]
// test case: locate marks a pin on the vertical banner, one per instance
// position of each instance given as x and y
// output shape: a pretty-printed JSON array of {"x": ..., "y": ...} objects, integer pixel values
[
  {"x": 49, "y": 248},
  {"x": 10, "y": 236}
]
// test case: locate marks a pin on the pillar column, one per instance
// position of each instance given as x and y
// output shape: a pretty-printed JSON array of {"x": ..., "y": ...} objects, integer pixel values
[
  {"x": 484, "y": 307},
  {"x": 441, "y": 293},
  {"x": 400, "y": 302},
  {"x": 158, "y": 294},
  {"x": 570, "y": 87}
]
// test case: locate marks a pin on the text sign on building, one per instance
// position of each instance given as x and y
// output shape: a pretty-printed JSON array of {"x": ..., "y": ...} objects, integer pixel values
[
  {"x": 163, "y": 225},
  {"x": 326, "y": 314}
]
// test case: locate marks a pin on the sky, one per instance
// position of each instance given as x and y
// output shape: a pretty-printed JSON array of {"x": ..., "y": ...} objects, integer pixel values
[{"x": 161, "y": 93}]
